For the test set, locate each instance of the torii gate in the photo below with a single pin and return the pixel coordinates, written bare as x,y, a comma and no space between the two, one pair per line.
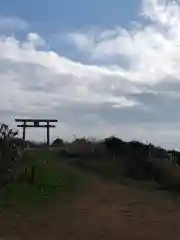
35,123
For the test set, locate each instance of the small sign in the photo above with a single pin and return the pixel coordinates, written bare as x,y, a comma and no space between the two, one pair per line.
36,124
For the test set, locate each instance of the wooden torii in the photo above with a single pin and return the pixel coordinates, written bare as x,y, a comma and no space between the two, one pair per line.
35,123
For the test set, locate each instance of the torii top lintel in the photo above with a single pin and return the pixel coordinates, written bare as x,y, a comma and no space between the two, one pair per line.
35,120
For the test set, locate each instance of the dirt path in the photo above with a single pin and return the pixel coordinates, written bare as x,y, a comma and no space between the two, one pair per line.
103,211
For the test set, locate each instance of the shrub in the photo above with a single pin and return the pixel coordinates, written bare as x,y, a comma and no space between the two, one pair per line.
58,142
10,154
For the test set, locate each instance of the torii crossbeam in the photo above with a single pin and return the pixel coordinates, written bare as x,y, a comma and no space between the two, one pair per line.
35,123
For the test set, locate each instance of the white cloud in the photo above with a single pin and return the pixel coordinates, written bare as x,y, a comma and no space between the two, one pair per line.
35,40
82,41
166,13
13,23
37,83
151,50
55,79
140,101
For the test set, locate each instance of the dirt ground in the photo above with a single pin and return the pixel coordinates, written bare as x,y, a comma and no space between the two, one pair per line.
104,210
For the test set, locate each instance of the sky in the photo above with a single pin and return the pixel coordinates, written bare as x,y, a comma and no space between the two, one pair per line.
101,67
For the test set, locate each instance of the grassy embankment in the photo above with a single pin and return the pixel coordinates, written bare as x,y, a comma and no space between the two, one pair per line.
52,177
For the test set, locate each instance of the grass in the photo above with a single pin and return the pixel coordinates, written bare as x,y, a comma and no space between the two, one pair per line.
111,170
105,168
55,177
52,177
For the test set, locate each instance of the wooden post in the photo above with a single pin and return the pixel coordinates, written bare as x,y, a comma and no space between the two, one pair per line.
48,141
24,130
33,175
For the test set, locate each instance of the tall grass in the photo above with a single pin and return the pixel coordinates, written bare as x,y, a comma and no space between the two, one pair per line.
106,168
52,177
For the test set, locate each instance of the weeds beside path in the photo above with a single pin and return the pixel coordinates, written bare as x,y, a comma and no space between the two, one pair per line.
52,177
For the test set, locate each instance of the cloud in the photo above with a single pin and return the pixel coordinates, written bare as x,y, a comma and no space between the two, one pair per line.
81,40
35,40
139,100
13,23
42,83
151,49
162,12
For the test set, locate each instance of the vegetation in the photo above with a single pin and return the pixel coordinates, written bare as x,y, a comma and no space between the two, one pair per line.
33,177
114,158
50,177
10,155
58,142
